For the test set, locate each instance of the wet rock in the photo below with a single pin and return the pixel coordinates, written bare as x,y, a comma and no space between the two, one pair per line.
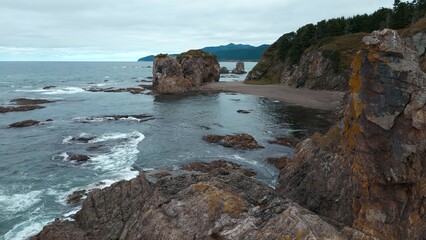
49,120
239,68
237,141
76,197
26,123
183,73
202,206
49,87
78,157
287,141
279,163
83,139
370,174
220,165
224,70
243,111
27,101
20,108
132,90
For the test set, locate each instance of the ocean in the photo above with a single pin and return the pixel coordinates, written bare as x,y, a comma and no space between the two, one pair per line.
36,178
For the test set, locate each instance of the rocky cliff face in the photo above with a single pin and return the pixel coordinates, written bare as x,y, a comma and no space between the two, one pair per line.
184,72
369,172
218,202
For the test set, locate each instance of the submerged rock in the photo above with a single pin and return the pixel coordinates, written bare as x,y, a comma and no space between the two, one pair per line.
182,73
132,90
239,68
27,101
76,197
20,108
243,111
237,141
26,123
201,206
78,157
369,171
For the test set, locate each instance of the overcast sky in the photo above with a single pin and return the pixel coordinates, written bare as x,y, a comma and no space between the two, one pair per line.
124,30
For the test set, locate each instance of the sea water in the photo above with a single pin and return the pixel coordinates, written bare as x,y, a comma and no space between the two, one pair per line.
36,177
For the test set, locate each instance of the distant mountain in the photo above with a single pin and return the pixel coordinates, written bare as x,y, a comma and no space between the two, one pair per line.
230,52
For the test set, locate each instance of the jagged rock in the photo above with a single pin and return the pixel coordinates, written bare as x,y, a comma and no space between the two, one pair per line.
239,68
371,173
78,157
182,73
287,141
224,70
218,164
279,163
237,141
27,101
26,123
20,108
76,197
192,206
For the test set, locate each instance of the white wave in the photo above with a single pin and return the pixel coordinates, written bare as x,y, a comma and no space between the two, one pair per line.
64,90
115,136
67,140
26,229
29,91
19,202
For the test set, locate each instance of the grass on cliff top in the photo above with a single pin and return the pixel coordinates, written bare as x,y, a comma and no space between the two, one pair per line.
162,55
195,53
419,26
343,43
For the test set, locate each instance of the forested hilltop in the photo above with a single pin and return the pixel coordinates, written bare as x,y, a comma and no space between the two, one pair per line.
318,56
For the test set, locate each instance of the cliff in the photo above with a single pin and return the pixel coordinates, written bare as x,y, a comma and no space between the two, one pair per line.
368,171
186,71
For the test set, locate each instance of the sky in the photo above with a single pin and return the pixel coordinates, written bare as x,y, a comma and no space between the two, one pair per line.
125,30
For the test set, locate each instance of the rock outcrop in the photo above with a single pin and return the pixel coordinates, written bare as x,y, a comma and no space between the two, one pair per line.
237,141
26,123
369,171
239,68
19,108
220,202
224,70
182,73
28,101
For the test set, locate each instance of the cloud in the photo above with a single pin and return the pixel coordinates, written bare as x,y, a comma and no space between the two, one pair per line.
128,29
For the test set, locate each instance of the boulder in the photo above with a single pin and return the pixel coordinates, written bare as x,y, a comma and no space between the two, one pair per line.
209,205
185,72
368,172
224,70
78,157
26,123
236,141
239,68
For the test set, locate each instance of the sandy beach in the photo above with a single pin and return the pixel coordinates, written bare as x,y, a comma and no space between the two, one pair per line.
326,100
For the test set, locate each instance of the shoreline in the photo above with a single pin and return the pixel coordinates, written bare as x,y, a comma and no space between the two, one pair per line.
318,99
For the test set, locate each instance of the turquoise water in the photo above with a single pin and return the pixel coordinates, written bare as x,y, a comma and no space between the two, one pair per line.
35,178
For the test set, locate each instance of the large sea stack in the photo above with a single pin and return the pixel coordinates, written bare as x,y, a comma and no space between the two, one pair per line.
369,171
187,71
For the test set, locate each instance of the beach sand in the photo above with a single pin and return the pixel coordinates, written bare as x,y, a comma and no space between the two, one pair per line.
318,99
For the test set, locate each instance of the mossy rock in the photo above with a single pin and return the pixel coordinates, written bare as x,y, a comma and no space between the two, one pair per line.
195,54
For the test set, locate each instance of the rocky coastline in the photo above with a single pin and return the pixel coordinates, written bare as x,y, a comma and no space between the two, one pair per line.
363,179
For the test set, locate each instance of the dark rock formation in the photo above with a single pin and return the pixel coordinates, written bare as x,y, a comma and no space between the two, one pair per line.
78,157
49,87
26,123
83,139
27,101
279,163
237,141
76,197
224,70
239,68
20,108
221,203
369,171
187,71
287,141
132,90
243,111
218,164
